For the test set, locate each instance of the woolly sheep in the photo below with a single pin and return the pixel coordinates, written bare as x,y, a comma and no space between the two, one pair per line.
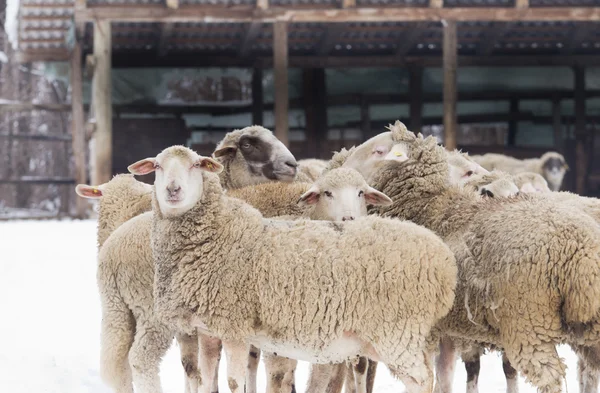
508,251
312,168
206,237
117,344
493,184
551,165
531,182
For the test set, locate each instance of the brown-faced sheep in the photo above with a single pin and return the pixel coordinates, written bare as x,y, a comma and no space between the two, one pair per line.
202,241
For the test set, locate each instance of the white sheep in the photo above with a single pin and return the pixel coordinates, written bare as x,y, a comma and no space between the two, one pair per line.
238,153
551,165
222,267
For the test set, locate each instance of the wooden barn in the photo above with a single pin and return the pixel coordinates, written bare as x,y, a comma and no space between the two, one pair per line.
514,76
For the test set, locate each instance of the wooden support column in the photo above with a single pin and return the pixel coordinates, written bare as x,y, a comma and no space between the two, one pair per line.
557,125
450,91
513,123
314,96
580,132
415,87
101,92
280,60
78,122
257,97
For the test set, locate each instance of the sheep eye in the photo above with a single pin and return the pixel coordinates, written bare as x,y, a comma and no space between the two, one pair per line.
156,165
246,145
197,165
469,173
328,194
360,193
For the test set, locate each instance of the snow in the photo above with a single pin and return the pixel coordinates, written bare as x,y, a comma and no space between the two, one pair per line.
50,310
11,22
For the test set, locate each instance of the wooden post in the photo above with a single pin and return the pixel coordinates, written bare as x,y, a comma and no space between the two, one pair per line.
415,87
257,97
513,122
580,131
450,93
78,123
101,91
557,125
280,60
314,97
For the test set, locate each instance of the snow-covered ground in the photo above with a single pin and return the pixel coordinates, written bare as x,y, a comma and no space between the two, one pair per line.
50,319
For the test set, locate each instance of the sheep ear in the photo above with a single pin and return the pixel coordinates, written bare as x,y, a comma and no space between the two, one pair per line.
225,151
85,191
396,154
310,197
376,198
142,167
210,165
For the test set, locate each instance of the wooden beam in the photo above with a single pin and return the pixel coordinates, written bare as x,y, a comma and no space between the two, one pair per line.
141,60
19,106
280,56
513,123
166,30
159,13
102,102
580,132
436,3
78,124
173,4
42,56
522,4
415,91
253,31
557,125
257,97
450,91
348,3
262,4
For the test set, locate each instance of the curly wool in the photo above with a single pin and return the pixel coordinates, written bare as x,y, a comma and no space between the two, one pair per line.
311,168
528,269
123,197
302,282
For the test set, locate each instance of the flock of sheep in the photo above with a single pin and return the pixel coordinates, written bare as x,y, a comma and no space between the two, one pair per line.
250,250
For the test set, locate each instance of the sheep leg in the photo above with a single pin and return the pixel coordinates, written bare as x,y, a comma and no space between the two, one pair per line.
253,358
117,334
236,353
151,342
371,372
512,385
208,363
349,381
280,373
326,378
188,348
445,362
472,360
539,364
360,375
588,377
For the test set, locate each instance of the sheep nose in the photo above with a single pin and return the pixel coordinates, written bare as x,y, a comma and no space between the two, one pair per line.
291,164
348,218
173,189
486,192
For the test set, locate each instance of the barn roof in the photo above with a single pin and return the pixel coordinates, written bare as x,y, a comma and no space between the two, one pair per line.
239,32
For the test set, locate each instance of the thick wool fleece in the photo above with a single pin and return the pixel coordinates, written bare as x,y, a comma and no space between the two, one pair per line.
529,270
304,283
339,158
123,197
312,168
274,199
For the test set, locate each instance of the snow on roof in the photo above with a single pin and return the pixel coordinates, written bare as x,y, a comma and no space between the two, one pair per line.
11,23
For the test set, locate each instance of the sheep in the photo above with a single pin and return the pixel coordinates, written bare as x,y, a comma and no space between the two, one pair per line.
122,198
253,155
312,168
222,267
493,184
118,344
551,165
528,268
531,182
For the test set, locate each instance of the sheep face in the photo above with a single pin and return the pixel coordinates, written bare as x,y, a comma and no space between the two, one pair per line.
554,168
178,184
342,195
461,169
255,155
367,157
529,182
501,188
122,182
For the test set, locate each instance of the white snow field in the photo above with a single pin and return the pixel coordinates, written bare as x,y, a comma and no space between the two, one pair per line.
50,319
